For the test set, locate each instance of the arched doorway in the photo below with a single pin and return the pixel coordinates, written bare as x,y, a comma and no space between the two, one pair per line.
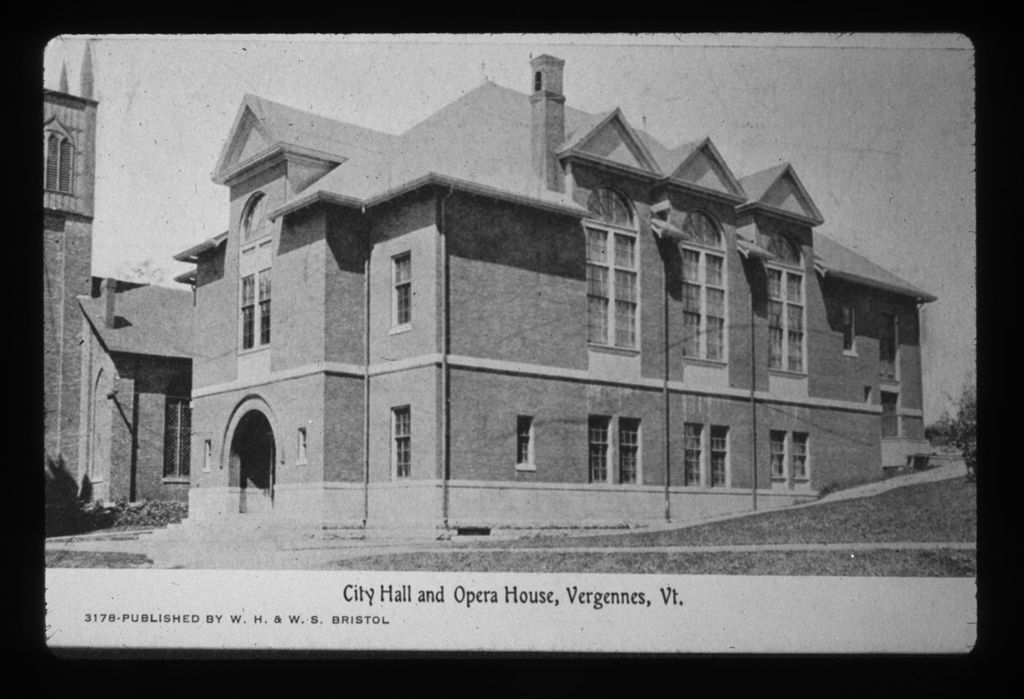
253,453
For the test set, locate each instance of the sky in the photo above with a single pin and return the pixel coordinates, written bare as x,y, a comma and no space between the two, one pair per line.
880,129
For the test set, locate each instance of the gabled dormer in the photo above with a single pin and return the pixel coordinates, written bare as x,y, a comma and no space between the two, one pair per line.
700,167
265,134
609,139
778,191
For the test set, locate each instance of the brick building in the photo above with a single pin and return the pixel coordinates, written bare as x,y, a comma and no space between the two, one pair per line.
519,313
136,391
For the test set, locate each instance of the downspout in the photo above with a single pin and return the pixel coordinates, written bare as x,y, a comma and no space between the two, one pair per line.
445,383
135,432
366,373
753,397
664,390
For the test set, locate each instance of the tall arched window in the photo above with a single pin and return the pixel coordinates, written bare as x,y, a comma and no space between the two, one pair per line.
612,271
254,271
254,220
59,161
785,305
704,284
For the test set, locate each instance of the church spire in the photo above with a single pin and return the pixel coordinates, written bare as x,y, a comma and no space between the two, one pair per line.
86,85
63,77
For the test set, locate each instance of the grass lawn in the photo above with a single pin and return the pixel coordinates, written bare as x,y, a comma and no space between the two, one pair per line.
96,559
937,563
942,511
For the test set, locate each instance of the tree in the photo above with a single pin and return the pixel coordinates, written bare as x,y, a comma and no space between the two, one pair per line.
964,429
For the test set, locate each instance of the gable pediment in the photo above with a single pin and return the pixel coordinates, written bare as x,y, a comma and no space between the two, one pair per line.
706,169
787,194
248,139
615,141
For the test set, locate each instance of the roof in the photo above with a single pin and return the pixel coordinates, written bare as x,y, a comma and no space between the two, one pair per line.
151,320
483,137
757,184
841,262
193,253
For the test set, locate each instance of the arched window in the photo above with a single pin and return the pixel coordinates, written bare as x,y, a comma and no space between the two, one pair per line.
609,206
785,305
59,161
254,271
254,220
612,271
704,285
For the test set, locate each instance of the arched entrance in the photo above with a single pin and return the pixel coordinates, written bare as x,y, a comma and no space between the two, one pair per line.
253,453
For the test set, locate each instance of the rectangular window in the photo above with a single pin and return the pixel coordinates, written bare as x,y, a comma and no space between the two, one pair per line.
848,329
248,311
890,420
264,277
629,449
401,429
402,280
524,440
207,455
611,276
785,320
692,437
703,305
177,436
800,455
719,455
300,446
598,454
887,343
778,453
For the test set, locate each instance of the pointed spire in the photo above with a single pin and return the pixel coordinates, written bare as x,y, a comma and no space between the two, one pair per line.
63,77
86,86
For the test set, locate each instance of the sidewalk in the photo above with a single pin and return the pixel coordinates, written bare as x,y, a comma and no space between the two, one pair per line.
312,554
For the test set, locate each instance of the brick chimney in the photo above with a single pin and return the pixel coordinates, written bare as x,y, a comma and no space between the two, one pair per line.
547,120
110,296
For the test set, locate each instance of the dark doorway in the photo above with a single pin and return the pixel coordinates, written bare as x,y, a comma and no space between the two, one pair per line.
252,447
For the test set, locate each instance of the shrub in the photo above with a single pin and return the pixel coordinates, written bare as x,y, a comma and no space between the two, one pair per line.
149,513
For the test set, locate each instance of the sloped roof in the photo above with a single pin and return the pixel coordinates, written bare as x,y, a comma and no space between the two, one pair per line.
847,264
482,137
309,130
757,184
151,320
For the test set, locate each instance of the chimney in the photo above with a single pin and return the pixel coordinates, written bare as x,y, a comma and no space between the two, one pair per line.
547,120
109,295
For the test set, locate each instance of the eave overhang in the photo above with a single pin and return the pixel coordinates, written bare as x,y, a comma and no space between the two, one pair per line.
271,156
723,197
192,254
430,179
761,208
920,296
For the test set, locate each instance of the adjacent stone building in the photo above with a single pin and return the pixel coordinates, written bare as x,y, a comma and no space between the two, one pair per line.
519,313
69,166
116,355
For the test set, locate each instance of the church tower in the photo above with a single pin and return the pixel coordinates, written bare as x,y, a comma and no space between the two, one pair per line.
69,167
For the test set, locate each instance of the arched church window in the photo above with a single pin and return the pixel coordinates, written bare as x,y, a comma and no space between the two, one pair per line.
59,162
